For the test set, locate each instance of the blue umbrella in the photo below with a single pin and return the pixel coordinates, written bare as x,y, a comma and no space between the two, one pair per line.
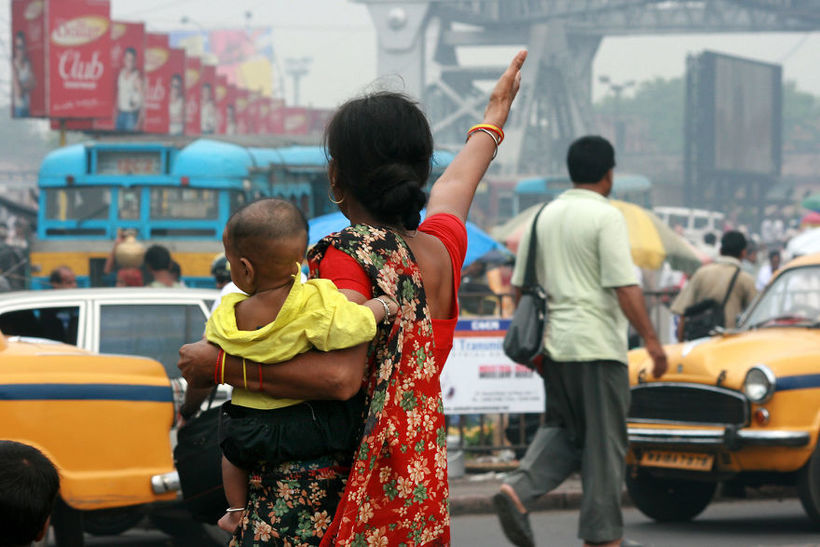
478,242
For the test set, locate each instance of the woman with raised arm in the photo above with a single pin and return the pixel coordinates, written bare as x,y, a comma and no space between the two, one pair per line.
393,489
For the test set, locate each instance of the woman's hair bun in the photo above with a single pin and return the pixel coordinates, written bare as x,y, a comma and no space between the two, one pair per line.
395,192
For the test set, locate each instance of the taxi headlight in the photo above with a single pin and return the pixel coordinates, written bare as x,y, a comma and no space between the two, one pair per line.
759,384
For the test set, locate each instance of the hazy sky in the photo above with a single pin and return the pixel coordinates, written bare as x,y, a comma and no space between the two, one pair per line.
339,36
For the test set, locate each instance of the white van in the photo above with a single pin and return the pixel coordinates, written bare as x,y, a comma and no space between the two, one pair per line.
695,222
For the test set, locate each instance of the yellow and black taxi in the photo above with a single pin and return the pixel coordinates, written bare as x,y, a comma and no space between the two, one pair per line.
104,420
740,407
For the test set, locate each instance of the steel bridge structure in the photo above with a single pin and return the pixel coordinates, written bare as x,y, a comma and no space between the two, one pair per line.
420,40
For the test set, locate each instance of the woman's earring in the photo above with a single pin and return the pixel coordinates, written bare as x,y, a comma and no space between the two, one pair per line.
330,197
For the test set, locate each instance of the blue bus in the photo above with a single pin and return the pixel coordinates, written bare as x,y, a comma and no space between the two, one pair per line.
177,196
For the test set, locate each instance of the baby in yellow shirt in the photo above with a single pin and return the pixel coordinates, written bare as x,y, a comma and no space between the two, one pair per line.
282,317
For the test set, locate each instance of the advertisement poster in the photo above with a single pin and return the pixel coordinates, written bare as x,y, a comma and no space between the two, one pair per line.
276,118
242,111
193,94
157,83
127,71
244,56
224,101
28,59
176,96
207,107
252,113
296,120
479,379
80,84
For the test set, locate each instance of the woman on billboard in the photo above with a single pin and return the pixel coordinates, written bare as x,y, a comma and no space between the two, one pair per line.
130,99
176,106
22,77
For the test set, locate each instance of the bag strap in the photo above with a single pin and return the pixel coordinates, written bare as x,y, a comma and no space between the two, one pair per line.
211,397
529,271
729,290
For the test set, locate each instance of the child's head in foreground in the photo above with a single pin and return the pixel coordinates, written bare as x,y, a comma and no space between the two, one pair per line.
264,243
28,489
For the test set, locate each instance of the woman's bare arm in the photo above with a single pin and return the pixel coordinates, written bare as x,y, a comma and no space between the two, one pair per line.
453,192
333,375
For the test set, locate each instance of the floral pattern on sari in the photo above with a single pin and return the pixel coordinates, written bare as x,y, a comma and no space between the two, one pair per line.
397,490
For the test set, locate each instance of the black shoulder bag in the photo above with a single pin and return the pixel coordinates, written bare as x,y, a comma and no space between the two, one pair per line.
700,319
524,341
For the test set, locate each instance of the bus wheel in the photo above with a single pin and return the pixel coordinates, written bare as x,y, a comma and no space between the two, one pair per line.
68,525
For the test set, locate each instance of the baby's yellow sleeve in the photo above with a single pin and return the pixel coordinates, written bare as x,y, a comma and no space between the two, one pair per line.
338,322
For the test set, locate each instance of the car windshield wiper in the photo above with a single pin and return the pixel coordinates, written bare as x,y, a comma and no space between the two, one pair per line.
792,319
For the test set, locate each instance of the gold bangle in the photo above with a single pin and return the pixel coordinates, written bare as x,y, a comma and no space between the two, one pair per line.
494,128
244,373
224,356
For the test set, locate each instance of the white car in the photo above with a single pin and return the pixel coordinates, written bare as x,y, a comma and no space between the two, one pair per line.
132,321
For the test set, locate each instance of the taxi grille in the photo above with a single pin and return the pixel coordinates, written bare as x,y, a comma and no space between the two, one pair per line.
688,403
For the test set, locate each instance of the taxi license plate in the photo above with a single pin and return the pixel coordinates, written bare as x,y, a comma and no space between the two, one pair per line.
691,461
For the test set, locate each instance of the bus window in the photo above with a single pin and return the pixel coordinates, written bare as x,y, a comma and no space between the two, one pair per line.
183,204
81,203
129,204
238,200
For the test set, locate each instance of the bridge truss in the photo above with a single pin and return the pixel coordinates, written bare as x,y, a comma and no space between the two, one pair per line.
420,39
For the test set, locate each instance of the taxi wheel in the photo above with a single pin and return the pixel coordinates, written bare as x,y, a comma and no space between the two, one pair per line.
112,522
808,487
668,500
68,525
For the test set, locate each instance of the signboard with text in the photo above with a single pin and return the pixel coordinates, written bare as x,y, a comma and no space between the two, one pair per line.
79,73
479,379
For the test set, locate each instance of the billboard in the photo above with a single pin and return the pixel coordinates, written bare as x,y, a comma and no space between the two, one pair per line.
28,59
176,96
207,106
222,98
79,75
157,83
739,113
244,56
242,96
127,71
193,94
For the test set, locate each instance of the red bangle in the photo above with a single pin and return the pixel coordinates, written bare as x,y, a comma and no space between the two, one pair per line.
218,362
260,375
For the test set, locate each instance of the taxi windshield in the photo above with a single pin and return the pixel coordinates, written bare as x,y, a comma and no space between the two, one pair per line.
792,299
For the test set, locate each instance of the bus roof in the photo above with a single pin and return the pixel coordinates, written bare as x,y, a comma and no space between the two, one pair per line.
553,184
202,159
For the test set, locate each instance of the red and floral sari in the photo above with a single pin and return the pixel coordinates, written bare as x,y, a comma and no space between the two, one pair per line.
396,491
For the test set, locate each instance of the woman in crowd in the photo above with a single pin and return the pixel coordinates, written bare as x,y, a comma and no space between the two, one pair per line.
393,490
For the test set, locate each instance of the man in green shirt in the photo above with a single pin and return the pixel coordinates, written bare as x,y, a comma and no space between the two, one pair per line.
583,262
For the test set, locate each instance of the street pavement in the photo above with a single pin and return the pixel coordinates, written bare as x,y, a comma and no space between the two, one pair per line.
472,494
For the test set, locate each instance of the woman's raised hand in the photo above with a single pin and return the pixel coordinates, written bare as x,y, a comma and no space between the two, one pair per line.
506,88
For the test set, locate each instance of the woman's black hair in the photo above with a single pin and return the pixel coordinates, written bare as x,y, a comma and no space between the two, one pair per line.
381,147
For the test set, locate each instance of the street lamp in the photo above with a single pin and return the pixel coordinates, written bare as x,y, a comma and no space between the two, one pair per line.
617,90
296,67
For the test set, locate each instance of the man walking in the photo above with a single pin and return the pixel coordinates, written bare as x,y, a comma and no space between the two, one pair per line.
584,264
714,282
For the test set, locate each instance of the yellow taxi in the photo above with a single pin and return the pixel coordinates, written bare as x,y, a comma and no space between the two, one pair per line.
104,420
741,407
